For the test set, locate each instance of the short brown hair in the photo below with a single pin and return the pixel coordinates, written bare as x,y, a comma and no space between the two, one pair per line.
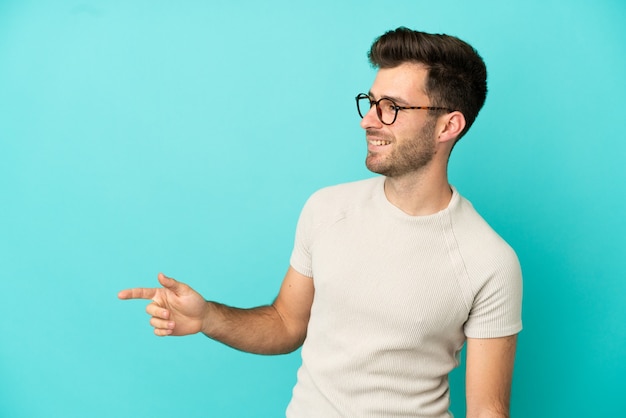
457,75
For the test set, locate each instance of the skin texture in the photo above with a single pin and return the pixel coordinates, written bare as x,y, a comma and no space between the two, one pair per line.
177,310
489,374
413,154
417,145
407,147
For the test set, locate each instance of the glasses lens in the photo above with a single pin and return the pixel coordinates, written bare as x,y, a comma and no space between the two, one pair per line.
387,111
363,104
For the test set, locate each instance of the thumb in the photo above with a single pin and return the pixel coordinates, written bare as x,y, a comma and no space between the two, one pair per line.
169,283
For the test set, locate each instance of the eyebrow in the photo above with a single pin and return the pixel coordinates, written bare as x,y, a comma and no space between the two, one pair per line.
396,100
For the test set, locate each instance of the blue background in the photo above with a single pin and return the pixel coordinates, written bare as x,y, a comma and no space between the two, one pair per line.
184,137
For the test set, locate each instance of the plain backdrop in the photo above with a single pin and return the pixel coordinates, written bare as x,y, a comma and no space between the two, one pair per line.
184,137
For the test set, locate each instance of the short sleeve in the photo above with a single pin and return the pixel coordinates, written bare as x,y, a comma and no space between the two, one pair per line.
497,306
301,259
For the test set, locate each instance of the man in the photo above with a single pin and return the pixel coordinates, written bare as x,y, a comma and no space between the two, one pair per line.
389,276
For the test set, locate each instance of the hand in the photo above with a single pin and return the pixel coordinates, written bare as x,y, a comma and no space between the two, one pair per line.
176,308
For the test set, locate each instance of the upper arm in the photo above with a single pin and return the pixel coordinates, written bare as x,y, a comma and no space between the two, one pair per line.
294,301
489,374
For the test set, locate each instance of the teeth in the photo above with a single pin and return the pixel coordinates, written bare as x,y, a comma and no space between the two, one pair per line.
379,142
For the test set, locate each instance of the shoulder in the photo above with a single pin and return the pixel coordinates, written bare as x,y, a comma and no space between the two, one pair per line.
346,195
334,203
470,226
493,272
482,248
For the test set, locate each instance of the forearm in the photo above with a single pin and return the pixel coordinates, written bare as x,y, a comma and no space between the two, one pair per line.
259,330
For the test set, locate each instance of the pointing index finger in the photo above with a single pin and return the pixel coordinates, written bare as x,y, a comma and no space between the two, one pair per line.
137,293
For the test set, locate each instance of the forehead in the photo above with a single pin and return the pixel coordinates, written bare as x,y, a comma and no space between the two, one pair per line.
406,82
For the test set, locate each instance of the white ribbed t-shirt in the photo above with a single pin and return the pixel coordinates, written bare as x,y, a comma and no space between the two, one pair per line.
395,298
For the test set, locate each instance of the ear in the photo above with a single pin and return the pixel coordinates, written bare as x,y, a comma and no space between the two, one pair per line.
450,127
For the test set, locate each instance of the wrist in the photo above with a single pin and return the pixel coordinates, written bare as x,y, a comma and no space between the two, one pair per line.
208,319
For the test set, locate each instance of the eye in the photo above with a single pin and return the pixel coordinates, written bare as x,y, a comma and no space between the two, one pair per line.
388,106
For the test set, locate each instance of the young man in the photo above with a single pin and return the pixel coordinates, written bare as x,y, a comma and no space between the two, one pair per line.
389,276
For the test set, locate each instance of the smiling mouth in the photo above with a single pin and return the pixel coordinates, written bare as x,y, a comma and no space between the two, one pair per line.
378,142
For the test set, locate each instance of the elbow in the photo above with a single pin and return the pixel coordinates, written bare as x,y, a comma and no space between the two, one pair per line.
499,411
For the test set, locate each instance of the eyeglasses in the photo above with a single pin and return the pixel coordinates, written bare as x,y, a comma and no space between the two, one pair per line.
386,109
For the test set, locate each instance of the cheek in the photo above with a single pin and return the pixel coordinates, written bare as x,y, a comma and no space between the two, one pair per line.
409,127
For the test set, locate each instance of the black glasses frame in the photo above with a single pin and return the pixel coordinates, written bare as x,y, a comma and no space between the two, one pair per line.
362,96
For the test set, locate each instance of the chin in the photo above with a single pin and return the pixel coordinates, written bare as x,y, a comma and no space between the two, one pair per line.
374,164
378,169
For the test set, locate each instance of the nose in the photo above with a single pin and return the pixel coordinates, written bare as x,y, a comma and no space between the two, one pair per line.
370,119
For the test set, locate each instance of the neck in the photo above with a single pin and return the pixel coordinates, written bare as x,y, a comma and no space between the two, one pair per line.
420,193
